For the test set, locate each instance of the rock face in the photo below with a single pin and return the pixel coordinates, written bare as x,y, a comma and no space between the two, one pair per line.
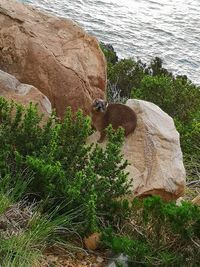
12,89
154,153
53,54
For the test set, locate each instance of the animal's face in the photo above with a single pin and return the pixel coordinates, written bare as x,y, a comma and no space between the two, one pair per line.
99,105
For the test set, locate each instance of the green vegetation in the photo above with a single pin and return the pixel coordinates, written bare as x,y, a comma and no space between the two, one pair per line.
60,165
54,185
24,231
176,95
50,163
160,234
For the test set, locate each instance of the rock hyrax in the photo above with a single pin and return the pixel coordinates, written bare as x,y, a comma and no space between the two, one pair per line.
117,115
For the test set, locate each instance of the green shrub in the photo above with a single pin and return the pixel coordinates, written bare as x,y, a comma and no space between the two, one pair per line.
161,234
190,142
61,166
179,98
155,68
126,74
110,54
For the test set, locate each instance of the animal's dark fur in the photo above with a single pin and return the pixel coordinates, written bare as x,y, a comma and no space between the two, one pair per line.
117,115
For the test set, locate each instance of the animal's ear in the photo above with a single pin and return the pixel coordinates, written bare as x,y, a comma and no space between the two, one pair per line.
95,102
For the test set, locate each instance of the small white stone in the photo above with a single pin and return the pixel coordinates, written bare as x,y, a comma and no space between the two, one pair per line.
99,259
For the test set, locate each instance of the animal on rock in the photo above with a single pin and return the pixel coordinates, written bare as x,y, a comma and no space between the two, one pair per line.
118,115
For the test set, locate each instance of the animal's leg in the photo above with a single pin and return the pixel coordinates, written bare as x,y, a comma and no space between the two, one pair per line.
102,137
129,128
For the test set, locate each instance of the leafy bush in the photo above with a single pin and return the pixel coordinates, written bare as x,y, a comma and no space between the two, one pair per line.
126,74
175,95
62,168
190,142
181,100
52,162
155,68
160,234
109,52
178,97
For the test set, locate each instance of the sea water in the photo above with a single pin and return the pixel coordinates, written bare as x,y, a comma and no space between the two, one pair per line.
169,29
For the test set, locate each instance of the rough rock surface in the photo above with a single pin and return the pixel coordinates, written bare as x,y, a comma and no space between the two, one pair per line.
12,89
53,54
154,153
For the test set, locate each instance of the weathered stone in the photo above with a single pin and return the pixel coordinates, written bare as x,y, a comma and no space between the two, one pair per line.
53,54
154,153
12,89
118,260
92,242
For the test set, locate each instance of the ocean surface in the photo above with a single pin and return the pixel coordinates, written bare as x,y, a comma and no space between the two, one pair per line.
169,29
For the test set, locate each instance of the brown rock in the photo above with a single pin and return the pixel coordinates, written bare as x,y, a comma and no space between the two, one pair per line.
92,242
53,54
12,89
154,153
